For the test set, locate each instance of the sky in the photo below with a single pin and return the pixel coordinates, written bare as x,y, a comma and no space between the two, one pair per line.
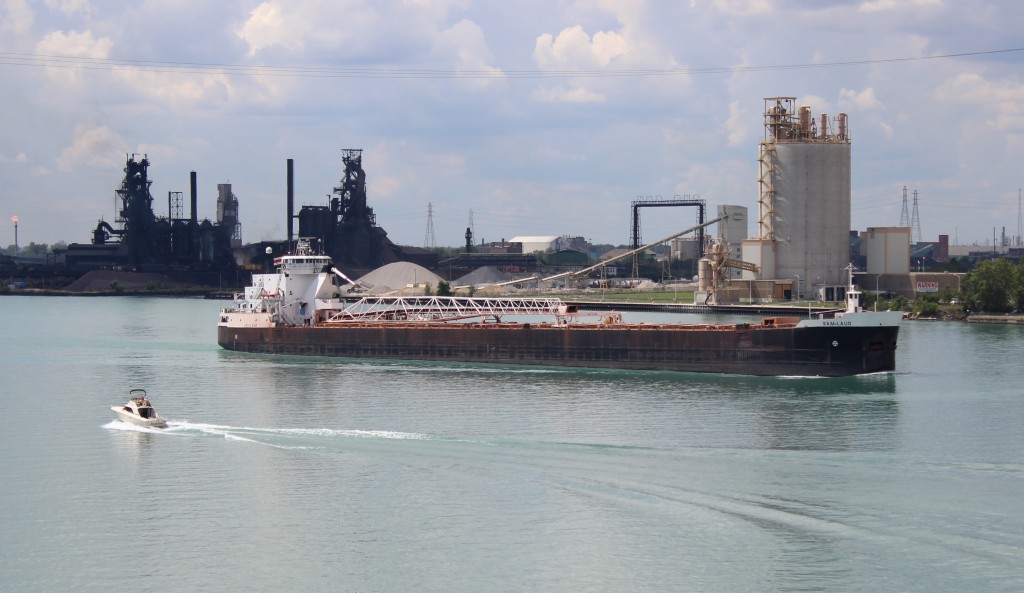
526,117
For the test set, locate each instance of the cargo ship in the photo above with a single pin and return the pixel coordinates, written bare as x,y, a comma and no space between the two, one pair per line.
306,308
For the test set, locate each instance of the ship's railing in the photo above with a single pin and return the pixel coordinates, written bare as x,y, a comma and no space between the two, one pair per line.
438,308
260,297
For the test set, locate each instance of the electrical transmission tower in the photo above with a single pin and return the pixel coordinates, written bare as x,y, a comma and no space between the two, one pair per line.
915,223
905,213
429,242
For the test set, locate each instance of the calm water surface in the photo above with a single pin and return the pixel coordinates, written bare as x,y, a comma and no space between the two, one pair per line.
301,474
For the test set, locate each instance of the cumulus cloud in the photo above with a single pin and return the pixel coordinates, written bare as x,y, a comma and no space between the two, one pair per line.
737,125
379,33
79,44
17,17
76,44
864,100
71,7
468,44
21,158
211,91
817,104
997,102
969,87
636,43
552,154
562,94
356,27
270,24
93,146
1010,122
891,5
573,49
744,7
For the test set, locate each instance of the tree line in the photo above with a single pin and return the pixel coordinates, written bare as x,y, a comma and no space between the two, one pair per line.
995,286
34,249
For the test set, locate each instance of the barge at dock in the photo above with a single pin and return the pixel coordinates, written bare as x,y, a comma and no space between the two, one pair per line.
301,310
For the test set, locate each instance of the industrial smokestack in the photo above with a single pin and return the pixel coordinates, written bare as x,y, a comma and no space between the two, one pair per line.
192,184
291,198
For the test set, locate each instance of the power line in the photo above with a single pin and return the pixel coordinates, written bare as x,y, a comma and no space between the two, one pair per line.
85,63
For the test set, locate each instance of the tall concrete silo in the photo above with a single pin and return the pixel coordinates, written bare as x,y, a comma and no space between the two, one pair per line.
804,201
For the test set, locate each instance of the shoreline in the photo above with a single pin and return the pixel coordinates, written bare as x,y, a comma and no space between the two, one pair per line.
222,294
1006,319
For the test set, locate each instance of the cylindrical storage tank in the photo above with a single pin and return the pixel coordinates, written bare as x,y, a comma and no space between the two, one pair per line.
180,239
823,130
160,235
206,241
705,278
314,222
842,127
805,121
812,212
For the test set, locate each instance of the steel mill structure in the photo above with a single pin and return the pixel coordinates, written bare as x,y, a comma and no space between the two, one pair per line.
346,228
141,241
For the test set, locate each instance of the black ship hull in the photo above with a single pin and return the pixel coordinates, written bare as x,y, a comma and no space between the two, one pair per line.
740,349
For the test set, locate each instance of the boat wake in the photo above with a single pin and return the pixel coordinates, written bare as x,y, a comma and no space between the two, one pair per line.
283,438
129,427
354,440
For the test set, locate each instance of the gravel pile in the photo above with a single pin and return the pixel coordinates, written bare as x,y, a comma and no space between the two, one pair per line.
399,275
482,276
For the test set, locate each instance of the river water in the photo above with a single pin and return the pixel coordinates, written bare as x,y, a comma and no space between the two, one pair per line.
304,474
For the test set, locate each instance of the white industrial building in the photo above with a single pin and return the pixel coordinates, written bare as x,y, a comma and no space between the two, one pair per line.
804,201
887,250
540,243
732,232
683,248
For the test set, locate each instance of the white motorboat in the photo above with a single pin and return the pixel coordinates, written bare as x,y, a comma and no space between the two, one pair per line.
139,411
